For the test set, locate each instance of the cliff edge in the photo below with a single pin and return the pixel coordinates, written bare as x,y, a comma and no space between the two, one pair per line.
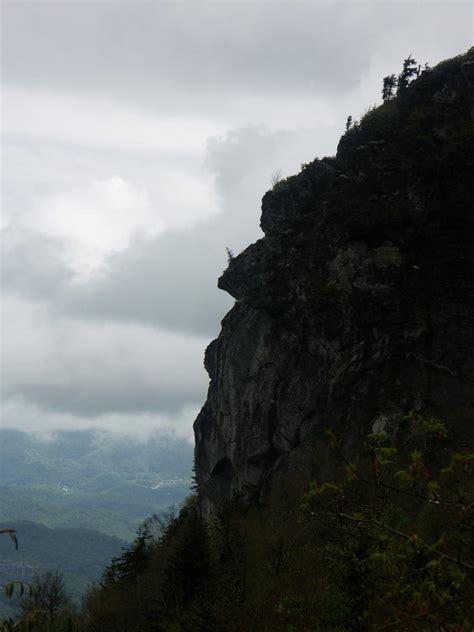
357,305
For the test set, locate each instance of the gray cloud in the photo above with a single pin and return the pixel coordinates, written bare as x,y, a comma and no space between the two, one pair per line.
23,415
153,52
145,47
92,368
32,265
139,140
169,280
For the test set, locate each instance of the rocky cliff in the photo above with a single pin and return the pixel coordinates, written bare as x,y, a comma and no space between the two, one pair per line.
357,305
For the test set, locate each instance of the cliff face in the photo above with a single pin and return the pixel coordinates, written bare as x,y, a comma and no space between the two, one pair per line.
357,305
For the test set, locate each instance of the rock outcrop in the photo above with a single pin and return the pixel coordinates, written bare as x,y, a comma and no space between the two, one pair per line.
357,305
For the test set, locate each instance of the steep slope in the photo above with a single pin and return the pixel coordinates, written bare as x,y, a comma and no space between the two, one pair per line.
357,305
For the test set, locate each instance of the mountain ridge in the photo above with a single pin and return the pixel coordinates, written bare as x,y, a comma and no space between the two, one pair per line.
92,480
356,304
334,455
79,553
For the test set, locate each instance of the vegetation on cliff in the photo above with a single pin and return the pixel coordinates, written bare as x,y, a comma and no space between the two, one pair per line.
386,544
357,304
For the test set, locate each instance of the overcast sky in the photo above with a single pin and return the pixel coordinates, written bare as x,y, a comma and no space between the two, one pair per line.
138,139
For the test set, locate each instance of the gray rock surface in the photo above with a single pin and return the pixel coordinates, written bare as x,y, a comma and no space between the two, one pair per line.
356,306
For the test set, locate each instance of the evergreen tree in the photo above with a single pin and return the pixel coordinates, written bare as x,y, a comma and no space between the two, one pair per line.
110,575
188,585
132,563
389,85
409,71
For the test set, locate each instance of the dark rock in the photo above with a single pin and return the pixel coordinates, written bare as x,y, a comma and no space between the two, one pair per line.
468,72
357,305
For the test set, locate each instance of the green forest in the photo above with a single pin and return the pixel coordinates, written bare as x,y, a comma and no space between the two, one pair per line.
385,544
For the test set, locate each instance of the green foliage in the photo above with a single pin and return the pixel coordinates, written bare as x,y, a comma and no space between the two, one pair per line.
163,576
389,85
410,144
409,71
80,553
408,529
44,604
385,543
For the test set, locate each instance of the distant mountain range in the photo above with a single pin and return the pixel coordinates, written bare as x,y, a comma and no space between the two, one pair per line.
91,480
81,554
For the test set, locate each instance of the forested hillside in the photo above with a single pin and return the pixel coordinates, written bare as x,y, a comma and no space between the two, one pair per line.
91,480
80,554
